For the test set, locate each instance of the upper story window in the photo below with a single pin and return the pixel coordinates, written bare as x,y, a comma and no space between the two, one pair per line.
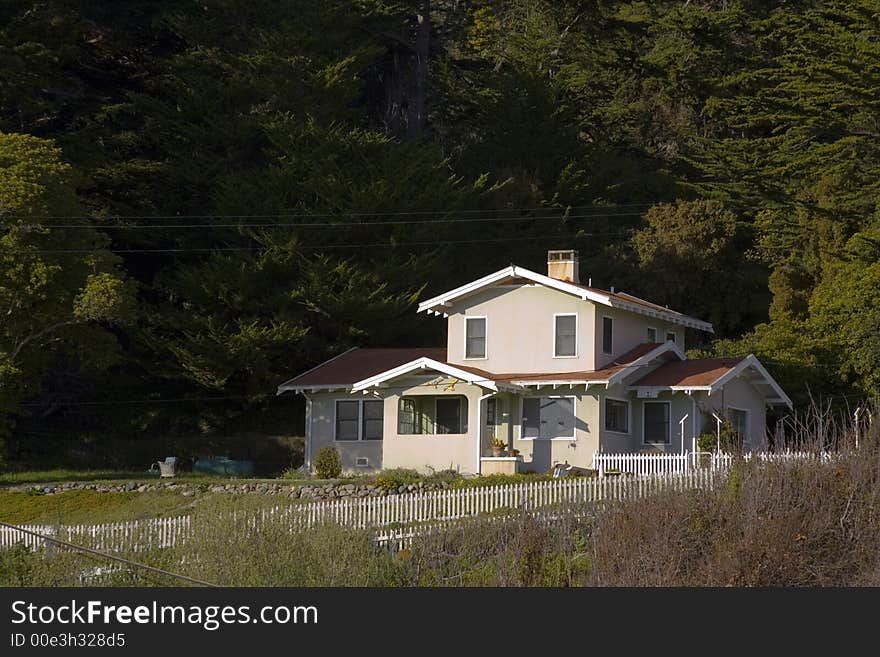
607,339
670,336
652,334
564,336
475,337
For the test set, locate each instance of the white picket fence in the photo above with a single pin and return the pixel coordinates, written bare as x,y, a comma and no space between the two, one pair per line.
642,464
388,514
663,464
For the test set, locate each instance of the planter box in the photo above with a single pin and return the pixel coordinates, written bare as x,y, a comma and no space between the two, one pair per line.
500,464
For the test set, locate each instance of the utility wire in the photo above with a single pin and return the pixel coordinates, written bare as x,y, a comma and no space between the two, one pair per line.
105,555
341,213
317,247
320,224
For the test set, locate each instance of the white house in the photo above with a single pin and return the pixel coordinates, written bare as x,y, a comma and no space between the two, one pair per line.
553,369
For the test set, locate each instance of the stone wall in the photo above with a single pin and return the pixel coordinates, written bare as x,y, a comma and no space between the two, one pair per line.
298,491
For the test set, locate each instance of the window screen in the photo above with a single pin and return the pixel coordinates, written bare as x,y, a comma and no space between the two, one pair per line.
656,422
616,415
475,337
449,415
373,419
607,340
347,420
565,339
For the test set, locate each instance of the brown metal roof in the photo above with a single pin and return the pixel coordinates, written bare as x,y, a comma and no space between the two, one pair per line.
590,375
358,364
700,372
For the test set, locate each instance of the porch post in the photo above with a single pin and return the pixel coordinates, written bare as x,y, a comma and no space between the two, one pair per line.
307,448
479,432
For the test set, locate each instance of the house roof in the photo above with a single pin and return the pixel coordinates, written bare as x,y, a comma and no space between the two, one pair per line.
635,356
360,369
356,364
701,372
440,304
712,374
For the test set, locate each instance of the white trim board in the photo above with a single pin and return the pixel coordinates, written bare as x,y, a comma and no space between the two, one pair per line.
425,363
470,318
576,336
440,304
644,423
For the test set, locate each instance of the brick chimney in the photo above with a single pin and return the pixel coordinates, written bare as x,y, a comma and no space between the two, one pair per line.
563,266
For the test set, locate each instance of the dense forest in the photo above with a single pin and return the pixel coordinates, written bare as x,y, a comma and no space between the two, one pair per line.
199,200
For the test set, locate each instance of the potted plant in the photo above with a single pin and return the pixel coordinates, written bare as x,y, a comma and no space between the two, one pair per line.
497,446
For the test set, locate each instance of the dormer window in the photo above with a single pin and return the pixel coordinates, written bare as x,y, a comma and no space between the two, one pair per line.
475,338
565,336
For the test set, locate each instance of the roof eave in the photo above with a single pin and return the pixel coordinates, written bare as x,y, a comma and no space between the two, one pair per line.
439,304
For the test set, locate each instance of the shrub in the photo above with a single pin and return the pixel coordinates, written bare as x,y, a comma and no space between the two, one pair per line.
396,477
295,474
328,465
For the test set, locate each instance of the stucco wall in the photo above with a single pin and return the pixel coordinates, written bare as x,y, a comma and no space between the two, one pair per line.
520,329
742,395
427,453
629,331
322,433
539,455
736,394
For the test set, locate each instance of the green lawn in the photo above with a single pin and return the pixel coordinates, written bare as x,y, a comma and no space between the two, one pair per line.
88,506
113,477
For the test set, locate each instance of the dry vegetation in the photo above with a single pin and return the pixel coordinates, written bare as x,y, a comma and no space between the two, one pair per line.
799,523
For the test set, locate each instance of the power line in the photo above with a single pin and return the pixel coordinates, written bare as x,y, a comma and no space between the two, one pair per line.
341,213
105,555
175,400
317,247
324,224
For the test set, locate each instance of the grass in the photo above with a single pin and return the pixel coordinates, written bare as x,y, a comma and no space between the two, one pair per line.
111,477
88,506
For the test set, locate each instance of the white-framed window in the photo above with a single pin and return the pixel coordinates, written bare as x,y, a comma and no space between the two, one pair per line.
432,415
652,334
656,422
670,336
617,415
358,419
607,335
475,338
548,418
565,335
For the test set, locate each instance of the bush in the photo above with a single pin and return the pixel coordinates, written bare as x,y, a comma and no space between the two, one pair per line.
328,465
396,477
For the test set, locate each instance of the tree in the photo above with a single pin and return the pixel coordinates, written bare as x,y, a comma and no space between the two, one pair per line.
57,286
691,257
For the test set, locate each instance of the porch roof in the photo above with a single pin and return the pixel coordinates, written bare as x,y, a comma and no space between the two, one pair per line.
349,367
700,372
711,374
358,369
